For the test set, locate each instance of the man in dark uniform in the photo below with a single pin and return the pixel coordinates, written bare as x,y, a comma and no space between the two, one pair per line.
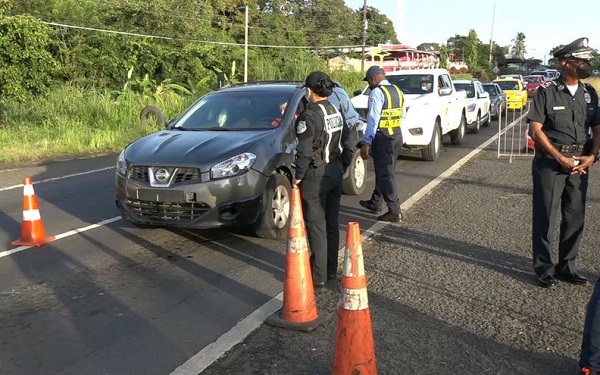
324,152
560,119
382,140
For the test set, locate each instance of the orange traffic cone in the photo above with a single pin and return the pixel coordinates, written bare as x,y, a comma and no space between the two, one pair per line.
354,346
33,232
299,304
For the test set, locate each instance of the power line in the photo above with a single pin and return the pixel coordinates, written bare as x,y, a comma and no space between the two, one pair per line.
193,40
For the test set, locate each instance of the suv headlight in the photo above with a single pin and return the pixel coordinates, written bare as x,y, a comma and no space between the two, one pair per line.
233,166
121,164
471,107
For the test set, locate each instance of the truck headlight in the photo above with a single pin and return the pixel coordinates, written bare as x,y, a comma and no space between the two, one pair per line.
234,166
121,164
471,107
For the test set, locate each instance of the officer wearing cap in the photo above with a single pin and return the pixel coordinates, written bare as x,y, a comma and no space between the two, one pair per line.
324,152
382,140
561,117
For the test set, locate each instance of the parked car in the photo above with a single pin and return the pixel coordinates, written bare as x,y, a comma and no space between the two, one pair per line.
517,76
226,161
433,108
497,99
516,94
478,104
550,75
532,83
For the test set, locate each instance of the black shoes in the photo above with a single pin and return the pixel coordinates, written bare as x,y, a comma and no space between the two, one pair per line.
390,217
369,205
319,284
547,281
573,278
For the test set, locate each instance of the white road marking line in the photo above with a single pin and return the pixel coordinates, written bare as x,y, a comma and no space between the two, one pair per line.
64,235
58,178
205,357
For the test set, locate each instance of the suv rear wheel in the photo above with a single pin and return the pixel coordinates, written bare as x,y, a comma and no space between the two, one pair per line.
274,219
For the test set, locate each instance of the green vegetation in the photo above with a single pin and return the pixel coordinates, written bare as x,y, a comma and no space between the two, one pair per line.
79,88
76,121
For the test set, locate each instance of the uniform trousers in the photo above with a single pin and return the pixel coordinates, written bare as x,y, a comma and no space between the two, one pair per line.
321,191
385,149
554,191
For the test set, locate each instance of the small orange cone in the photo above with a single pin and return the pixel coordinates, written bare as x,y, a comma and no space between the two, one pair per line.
354,344
33,232
299,304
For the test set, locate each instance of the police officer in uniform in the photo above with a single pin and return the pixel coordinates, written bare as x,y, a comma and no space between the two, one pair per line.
324,152
382,140
563,115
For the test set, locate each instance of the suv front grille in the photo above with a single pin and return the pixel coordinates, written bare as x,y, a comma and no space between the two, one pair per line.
166,211
182,175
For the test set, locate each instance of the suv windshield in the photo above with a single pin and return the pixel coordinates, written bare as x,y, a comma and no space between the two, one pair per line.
490,89
468,87
236,110
413,83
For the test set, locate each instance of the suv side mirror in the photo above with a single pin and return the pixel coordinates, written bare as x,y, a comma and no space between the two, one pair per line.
445,91
484,95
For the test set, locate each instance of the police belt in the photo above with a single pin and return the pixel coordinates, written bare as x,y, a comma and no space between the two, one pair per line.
572,149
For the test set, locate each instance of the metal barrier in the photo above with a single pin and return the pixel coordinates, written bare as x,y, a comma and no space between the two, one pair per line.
513,139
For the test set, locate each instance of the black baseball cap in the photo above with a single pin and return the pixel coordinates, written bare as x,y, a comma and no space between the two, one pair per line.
373,71
313,79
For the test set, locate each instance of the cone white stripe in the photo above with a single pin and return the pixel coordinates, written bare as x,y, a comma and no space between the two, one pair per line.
355,299
347,271
28,190
297,245
31,215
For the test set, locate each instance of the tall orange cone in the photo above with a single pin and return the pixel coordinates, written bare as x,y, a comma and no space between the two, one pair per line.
354,346
299,304
32,232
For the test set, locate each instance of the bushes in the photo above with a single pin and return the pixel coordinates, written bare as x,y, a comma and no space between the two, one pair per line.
26,66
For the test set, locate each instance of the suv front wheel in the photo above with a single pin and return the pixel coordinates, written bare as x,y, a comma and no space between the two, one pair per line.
274,218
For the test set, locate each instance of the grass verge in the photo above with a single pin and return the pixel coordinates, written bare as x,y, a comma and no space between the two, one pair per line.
73,121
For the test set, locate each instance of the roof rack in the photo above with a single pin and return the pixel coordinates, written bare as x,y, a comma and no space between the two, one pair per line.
266,82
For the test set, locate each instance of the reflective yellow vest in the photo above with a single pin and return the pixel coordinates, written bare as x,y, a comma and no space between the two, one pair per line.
393,107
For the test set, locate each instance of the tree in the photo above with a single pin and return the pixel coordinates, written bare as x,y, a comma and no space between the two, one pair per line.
380,28
429,47
26,67
518,49
444,57
458,46
473,44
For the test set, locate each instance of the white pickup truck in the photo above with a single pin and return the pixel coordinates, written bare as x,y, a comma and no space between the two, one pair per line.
433,108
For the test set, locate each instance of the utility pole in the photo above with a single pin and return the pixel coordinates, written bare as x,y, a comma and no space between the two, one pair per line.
364,41
492,36
246,48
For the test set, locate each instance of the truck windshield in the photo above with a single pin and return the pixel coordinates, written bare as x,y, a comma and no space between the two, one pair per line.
413,83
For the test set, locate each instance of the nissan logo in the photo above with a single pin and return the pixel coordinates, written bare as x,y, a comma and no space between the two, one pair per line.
162,175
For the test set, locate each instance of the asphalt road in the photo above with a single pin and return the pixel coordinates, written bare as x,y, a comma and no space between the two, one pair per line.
116,299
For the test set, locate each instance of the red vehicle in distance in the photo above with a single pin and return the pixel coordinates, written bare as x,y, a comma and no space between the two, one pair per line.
532,83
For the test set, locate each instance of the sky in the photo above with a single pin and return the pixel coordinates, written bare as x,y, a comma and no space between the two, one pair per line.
420,21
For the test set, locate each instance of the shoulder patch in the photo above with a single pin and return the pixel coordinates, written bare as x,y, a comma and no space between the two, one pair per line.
301,127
